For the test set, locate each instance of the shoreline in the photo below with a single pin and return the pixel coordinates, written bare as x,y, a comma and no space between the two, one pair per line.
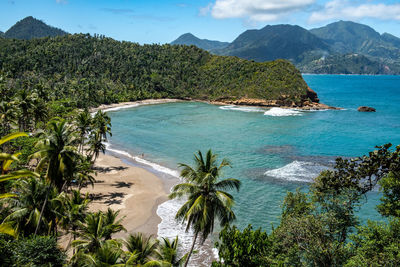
147,219
133,190
241,102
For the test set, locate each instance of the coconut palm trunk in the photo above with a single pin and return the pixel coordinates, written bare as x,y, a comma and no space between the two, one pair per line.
191,249
41,212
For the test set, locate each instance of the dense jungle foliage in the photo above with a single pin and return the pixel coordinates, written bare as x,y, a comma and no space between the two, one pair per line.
88,71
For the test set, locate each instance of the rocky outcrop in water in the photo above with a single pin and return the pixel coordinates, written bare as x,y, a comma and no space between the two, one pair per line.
366,109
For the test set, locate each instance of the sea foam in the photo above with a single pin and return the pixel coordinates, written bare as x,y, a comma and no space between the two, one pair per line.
281,112
298,171
153,165
168,226
244,109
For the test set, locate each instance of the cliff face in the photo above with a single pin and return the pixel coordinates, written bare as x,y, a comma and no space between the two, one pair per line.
309,101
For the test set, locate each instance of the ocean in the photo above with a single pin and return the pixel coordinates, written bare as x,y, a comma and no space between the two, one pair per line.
272,151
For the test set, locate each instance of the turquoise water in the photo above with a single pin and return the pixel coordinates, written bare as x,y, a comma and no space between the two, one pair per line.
270,153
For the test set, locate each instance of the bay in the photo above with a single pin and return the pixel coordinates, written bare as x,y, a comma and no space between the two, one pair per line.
272,151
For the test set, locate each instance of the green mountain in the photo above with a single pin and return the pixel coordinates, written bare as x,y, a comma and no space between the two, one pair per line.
351,37
340,47
347,64
1,34
273,42
190,39
89,71
387,37
30,27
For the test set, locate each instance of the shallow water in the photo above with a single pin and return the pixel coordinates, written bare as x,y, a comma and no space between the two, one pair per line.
272,151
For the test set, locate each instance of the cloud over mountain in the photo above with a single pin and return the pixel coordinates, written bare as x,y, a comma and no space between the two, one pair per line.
257,10
343,9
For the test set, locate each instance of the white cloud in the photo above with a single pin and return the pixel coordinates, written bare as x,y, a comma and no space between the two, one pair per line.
342,9
62,2
255,10
205,10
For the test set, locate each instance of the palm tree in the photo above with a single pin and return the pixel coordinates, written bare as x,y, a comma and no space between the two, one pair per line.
167,253
8,116
142,249
205,199
97,228
57,149
102,124
91,233
24,102
83,172
111,223
83,124
5,175
109,254
26,210
39,109
71,209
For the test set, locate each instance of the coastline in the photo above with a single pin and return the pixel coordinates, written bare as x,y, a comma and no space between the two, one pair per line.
123,105
245,102
135,191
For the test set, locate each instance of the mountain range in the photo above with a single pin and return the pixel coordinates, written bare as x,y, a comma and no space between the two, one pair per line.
342,47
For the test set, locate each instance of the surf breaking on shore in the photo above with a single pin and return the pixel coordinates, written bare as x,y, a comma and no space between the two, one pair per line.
169,227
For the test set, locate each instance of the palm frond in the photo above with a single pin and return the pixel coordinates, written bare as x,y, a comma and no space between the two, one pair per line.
12,136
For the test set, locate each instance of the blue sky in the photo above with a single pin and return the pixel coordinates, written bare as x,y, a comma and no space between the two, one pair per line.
154,21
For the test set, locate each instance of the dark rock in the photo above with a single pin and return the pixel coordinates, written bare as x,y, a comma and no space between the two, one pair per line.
312,95
366,109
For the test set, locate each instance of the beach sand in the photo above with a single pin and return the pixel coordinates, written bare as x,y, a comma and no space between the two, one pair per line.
134,191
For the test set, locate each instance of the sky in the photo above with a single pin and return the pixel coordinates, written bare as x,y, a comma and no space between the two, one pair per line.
156,21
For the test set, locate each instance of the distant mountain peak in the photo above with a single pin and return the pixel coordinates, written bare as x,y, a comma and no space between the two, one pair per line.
190,39
31,27
274,41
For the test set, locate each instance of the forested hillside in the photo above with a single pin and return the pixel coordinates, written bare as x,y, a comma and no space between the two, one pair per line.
190,39
274,42
30,27
89,71
344,44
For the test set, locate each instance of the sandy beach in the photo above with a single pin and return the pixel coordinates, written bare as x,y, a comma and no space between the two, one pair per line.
122,105
134,191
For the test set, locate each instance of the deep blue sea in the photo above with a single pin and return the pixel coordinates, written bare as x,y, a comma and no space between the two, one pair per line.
271,151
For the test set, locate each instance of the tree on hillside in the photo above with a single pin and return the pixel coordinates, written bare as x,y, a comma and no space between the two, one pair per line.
6,175
57,153
206,200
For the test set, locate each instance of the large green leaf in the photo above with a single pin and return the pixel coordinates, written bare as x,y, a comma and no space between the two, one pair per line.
12,136
18,174
6,228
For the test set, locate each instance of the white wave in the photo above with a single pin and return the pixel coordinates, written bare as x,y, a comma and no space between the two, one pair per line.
170,228
244,109
299,171
121,107
280,112
153,165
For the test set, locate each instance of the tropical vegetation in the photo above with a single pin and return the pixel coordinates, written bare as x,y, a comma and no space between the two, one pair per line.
49,143
206,201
